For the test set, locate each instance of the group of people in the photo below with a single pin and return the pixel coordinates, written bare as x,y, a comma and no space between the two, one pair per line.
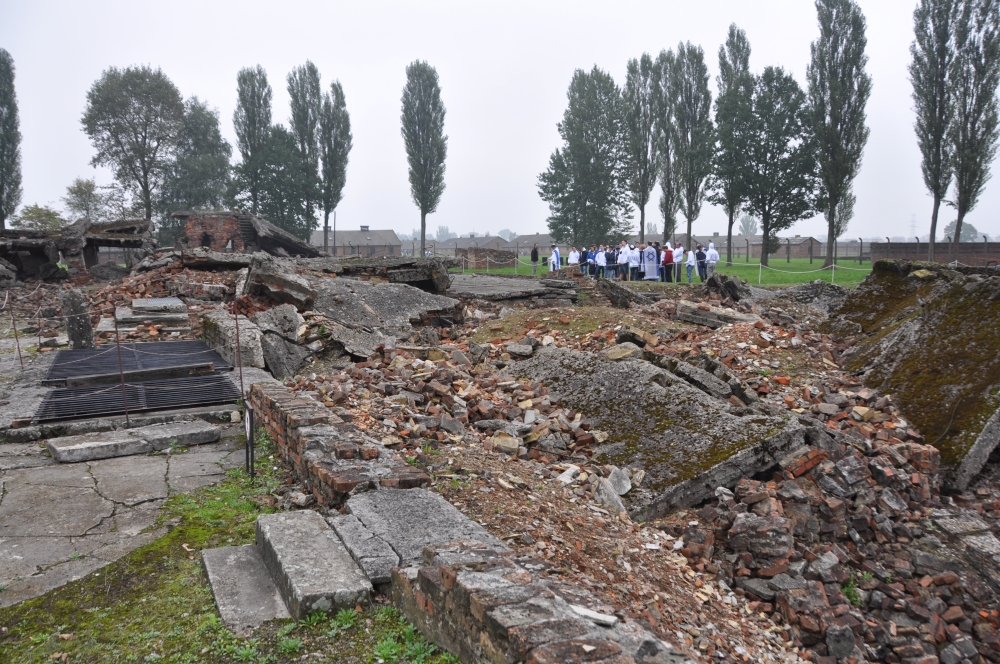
648,262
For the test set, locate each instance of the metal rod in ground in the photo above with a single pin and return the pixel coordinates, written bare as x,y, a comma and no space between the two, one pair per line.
17,342
239,357
121,374
248,424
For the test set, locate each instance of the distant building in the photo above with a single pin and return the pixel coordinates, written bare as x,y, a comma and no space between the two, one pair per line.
363,243
451,246
522,244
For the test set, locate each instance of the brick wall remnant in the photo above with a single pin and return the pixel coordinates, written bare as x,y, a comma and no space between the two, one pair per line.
218,232
490,606
331,457
481,258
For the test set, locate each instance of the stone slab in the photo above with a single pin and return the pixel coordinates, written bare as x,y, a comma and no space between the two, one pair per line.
178,434
410,519
100,445
962,525
127,316
243,589
142,440
159,304
371,552
310,565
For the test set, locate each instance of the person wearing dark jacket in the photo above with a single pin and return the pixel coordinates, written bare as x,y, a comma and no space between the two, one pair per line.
534,260
701,257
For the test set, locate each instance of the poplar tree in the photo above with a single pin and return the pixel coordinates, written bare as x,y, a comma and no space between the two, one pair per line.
642,155
975,74
932,54
692,133
252,122
670,191
133,117
306,100
732,118
423,135
839,89
335,143
10,142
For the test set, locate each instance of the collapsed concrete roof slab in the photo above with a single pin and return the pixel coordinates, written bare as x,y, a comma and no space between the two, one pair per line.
493,288
673,425
430,274
389,308
43,254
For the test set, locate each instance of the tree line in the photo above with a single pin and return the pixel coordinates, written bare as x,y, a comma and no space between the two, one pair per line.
168,154
955,70
766,146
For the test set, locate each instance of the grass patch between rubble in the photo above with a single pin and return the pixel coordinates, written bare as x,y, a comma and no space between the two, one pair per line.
155,604
582,321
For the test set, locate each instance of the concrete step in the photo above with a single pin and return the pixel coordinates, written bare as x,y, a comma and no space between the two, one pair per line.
309,564
242,587
108,325
124,442
159,305
126,316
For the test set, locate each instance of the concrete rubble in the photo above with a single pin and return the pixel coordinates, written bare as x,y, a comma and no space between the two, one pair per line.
697,467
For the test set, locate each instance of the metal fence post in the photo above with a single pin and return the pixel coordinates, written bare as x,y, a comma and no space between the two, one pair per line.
121,373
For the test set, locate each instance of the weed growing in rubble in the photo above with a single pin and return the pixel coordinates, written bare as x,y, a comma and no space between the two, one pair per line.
313,619
850,591
345,619
402,642
289,646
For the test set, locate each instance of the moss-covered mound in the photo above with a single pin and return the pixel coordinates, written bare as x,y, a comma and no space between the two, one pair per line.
931,336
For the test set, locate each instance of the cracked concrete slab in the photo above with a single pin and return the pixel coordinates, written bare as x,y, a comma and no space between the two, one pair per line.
46,511
58,575
60,522
24,455
131,481
24,556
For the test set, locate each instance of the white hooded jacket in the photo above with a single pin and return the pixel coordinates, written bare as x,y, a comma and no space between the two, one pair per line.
711,256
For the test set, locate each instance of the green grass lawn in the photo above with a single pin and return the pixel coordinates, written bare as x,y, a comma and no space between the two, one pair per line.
798,271
155,604
779,273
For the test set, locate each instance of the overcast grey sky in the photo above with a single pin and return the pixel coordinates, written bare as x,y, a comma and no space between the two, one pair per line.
504,69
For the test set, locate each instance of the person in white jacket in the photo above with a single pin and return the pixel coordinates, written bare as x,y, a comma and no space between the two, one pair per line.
602,263
678,259
623,261
633,263
711,258
692,263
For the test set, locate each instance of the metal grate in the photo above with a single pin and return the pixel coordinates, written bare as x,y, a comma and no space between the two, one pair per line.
99,400
136,355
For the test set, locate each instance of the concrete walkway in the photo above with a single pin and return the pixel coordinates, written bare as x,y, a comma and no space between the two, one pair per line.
59,522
